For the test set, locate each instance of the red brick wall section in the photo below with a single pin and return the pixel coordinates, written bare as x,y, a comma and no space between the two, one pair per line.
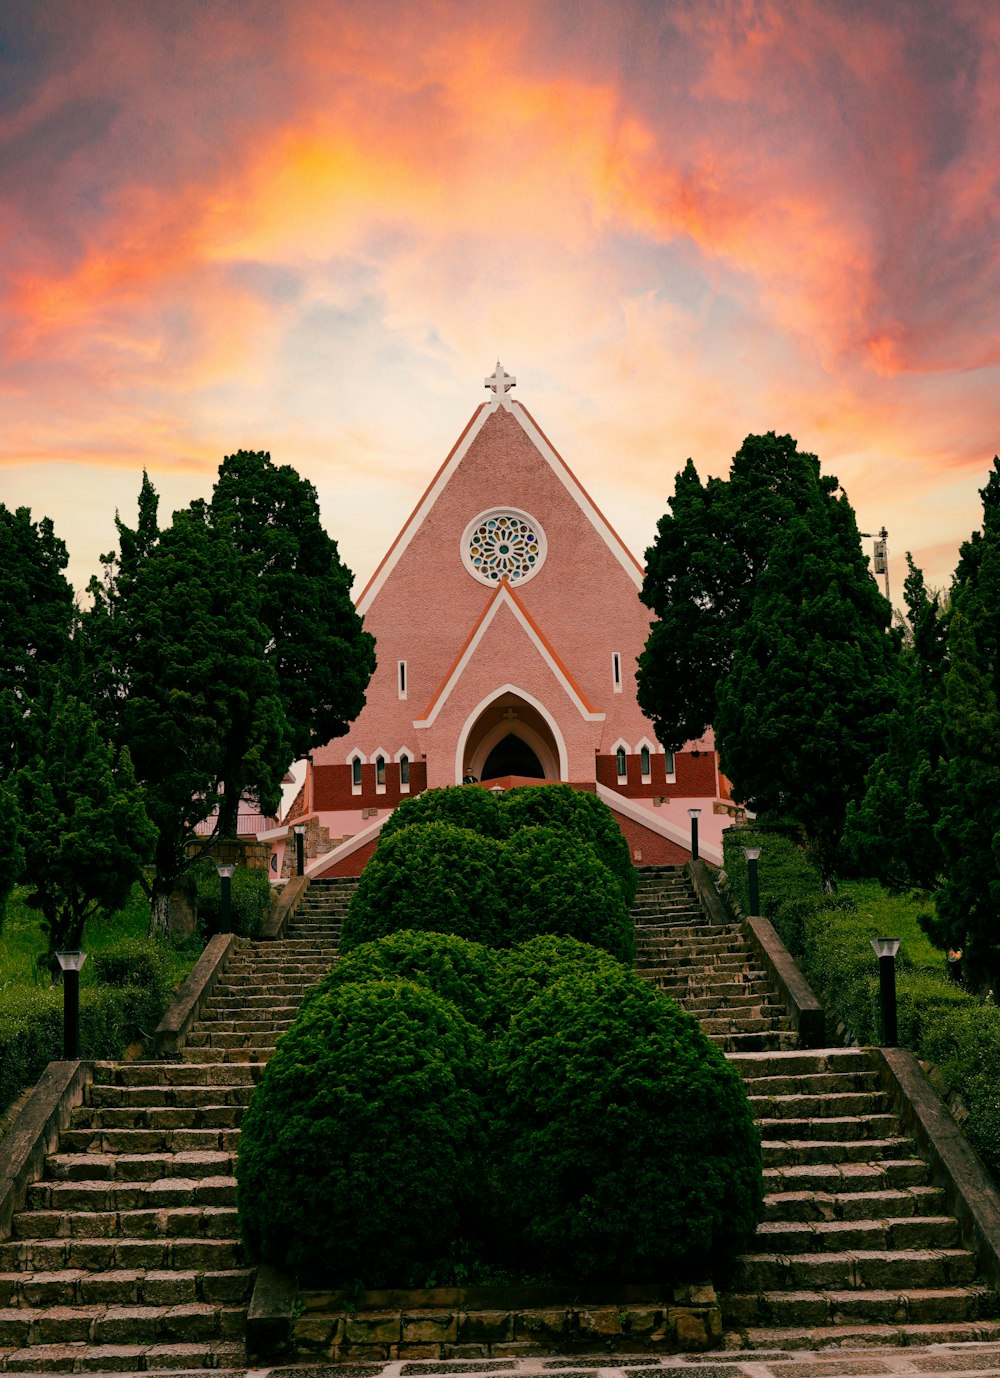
695,776
653,849
351,865
332,788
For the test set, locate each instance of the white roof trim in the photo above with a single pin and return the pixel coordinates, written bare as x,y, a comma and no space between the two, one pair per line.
682,836
441,481
504,600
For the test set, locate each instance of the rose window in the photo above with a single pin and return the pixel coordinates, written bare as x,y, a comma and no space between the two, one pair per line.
503,545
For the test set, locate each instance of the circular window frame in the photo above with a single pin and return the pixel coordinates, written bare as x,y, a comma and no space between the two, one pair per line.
491,514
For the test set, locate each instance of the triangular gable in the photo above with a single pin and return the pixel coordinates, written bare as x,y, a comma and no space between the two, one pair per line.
505,597
458,452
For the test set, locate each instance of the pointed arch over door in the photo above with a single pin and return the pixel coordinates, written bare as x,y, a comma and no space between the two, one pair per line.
511,713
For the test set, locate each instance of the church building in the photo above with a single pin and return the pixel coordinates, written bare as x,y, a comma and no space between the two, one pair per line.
507,622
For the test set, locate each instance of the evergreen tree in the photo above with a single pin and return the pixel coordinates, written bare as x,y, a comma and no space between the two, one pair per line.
702,573
968,901
321,656
891,831
813,679
36,621
85,829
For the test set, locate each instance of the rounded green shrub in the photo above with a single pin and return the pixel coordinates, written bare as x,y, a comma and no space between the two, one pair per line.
584,815
533,966
454,968
361,1152
625,1146
464,806
557,883
429,876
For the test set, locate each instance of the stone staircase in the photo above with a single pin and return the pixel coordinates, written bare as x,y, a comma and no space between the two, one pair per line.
128,1256
856,1247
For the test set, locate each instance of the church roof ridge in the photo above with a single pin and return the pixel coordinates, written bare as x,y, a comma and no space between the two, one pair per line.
504,592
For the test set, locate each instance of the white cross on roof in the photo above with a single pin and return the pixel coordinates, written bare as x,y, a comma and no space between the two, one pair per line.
500,381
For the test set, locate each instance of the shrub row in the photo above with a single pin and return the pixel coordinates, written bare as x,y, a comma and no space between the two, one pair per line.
441,1111
830,936
123,996
498,871
249,899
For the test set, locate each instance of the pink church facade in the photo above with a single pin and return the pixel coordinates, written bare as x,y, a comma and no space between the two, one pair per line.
507,623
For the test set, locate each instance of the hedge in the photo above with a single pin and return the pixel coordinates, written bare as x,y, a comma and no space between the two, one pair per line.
429,876
626,1148
362,1150
551,886
463,806
583,1126
582,815
829,935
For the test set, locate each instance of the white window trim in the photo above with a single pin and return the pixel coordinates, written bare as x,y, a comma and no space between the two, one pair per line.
402,680
616,671
356,755
672,773
386,758
621,745
644,742
404,786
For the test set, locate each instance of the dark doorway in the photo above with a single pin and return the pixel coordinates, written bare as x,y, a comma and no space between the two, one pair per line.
512,756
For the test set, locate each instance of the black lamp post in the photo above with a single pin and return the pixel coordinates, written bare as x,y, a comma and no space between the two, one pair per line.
299,829
226,869
693,814
71,963
885,950
751,854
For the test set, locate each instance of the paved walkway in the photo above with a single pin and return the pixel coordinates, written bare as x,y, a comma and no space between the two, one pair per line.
956,1361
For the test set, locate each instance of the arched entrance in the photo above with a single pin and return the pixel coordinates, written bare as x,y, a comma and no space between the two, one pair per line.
511,735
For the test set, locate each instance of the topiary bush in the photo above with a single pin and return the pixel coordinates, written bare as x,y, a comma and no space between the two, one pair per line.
430,876
454,968
533,966
625,1146
553,884
464,806
578,812
361,1153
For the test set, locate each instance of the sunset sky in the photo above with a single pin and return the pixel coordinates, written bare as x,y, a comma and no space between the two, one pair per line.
313,228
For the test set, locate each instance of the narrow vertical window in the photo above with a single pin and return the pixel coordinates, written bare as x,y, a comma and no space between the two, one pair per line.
616,671
402,679
380,772
622,763
356,772
669,755
404,771
644,762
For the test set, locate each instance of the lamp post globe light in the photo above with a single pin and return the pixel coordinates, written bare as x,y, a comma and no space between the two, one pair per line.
694,814
71,964
751,854
226,869
299,829
885,950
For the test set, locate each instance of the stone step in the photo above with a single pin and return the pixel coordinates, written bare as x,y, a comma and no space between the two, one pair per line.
138,1167
744,1022
846,1306
785,1152
95,1196
845,1129
756,1042
102,1255
214,1022
886,1174
173,1074
203,1222
833,1236
66,1286
883,1204
230,1037
117,1325
185,1097
796,1062
239,1055
875,1269
160,1118
81,1357
131,1141
832,1105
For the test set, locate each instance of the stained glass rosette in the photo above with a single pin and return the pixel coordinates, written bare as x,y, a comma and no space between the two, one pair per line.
504,545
